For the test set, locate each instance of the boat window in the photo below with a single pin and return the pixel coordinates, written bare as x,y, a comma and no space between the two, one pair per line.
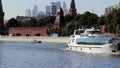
110,41
114,40
93,40
94,32
78,32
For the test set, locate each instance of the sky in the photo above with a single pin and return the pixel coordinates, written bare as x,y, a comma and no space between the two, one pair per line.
12,8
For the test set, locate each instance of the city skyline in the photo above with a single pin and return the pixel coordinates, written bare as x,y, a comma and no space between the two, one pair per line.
15,7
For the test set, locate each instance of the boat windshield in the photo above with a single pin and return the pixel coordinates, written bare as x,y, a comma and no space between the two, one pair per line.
78,32
94,32
93,40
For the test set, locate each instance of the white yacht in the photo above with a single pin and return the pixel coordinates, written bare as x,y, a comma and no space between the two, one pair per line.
93,41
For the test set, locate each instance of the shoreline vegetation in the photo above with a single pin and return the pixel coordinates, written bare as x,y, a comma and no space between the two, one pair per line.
31,38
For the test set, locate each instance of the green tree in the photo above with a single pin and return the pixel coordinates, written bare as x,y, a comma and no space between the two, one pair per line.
33,22
41,22
69,18
76,18
70,28
113,19
13,23
101,20
49,19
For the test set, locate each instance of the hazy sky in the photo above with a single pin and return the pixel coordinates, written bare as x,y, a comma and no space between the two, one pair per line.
12,8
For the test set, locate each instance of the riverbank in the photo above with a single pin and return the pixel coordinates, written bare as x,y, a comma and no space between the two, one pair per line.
29,39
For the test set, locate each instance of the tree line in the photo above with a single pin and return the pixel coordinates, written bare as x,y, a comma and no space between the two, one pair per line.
86,20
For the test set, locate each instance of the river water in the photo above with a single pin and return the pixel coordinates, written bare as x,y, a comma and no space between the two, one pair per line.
51,55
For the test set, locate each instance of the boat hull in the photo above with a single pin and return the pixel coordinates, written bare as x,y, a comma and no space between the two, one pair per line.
107,48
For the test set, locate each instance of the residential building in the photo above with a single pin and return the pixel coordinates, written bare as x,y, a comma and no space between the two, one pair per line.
47,9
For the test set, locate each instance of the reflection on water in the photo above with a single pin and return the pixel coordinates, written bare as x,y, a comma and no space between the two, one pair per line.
51,55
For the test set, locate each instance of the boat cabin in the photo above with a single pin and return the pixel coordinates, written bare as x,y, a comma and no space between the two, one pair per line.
93,31
88,32
97,40
79,31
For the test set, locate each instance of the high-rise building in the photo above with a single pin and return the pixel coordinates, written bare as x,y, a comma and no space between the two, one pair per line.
1,18
72,10
65,10
53,10
35,11
48,10
112,8
28,13
54,7
57,4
